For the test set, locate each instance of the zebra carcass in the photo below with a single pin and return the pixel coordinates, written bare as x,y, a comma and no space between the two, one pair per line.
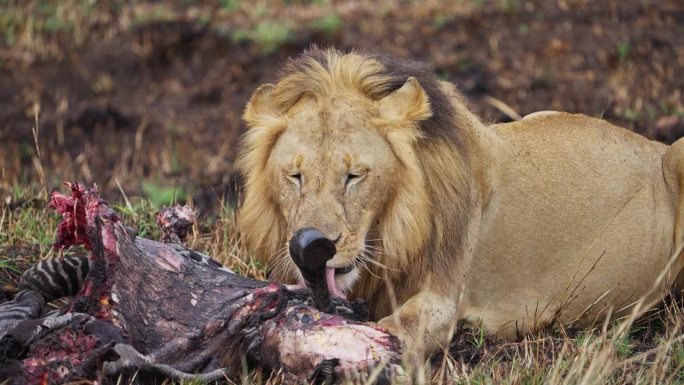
157,310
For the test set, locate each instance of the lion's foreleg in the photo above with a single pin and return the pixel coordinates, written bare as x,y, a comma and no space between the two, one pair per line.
425,323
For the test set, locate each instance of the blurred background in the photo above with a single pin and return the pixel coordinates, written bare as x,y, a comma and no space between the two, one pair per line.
145,97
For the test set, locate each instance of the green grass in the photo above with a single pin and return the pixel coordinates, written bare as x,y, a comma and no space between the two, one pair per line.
34,24
27,221
230,5
328,24
440,20
623,49
140,213
163,195
271,35
8,265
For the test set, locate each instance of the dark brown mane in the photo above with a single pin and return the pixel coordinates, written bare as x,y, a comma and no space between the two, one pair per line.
394,73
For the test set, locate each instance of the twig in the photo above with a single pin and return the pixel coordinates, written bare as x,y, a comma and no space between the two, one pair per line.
125,197
39,162
501,106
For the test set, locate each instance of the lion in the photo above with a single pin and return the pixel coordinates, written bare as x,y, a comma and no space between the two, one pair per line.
441,221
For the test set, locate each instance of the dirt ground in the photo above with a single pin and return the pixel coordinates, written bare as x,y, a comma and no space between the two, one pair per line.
157,103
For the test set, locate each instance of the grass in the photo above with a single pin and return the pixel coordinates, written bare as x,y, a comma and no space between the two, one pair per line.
161,195
649,351
328,24
41,28
623,49
589,357
646,351
269,35
25,219
34,26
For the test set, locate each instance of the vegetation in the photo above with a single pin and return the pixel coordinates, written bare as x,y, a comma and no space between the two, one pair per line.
144,98
644,351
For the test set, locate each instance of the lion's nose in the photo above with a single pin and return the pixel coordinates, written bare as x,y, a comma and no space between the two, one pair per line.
310,250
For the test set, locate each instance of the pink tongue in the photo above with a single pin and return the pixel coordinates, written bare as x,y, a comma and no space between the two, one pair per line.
330,280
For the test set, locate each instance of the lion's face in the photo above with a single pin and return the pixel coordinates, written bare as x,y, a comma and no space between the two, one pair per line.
333,147
332,168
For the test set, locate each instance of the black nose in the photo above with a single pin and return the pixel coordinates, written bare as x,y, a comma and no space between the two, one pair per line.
310,250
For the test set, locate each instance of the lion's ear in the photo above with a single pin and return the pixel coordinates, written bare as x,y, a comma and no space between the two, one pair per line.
410,102
260,104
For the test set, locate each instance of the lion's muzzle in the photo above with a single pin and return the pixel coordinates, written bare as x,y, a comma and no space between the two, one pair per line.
311,250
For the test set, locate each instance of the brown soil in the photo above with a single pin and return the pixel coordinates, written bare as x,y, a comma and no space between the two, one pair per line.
162,101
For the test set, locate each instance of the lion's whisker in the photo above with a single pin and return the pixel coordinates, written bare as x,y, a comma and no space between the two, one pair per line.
363,256
278,263
371,251
365,266
374,247
256,247
381,239
278,252
277,270
379,250
284,266
277,256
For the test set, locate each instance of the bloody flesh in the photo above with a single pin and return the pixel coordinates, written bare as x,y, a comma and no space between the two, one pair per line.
160,308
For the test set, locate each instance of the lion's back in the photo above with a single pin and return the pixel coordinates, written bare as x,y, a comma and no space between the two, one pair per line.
562,129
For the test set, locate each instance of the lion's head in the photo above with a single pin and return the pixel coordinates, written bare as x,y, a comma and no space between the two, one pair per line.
348,144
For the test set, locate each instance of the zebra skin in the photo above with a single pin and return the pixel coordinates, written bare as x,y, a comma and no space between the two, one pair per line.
46,281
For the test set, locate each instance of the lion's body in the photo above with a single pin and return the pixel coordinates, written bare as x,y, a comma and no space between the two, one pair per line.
580,217
554,218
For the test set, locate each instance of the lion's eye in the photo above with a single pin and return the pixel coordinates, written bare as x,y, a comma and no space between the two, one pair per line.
295,178
353,178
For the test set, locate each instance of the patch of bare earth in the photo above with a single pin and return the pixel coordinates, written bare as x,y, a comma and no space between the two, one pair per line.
161,100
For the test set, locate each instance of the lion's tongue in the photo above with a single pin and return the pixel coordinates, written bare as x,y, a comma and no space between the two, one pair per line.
330,280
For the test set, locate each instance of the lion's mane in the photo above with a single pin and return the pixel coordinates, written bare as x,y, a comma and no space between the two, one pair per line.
421,227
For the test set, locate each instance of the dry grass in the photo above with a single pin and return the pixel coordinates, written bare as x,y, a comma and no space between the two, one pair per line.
40,29
648,350
75,56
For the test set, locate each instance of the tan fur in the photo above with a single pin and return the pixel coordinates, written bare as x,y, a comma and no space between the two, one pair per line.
555,218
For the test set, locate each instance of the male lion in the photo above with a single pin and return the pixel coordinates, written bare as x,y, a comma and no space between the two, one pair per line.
438,218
